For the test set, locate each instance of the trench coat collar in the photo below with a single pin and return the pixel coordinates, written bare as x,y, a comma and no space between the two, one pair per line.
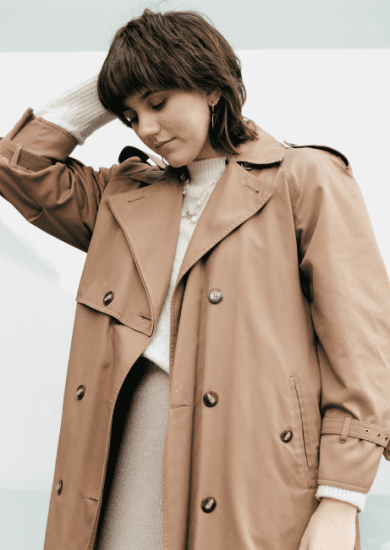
150,215
265,150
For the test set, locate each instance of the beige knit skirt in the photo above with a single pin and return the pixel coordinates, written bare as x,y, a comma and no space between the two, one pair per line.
130,517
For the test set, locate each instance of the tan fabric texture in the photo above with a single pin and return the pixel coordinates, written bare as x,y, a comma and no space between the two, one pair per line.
299,340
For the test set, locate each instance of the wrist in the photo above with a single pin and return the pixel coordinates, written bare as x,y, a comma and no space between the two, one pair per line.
356,498
340,506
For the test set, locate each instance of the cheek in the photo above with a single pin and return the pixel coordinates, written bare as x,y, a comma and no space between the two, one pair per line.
194,122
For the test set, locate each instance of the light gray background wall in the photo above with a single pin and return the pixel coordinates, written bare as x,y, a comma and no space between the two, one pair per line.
335,95
89,25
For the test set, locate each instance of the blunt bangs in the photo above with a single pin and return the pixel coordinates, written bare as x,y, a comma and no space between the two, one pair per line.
176,50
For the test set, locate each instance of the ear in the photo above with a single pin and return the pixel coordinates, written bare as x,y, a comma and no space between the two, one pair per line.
213,97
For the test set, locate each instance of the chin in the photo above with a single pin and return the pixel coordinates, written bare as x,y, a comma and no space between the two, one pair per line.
185,161
178,162
175,164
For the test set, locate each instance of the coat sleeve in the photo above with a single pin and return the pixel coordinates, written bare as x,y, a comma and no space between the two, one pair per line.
51,190
348,289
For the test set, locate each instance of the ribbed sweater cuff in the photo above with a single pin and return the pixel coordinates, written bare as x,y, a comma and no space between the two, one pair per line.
78,110
353,497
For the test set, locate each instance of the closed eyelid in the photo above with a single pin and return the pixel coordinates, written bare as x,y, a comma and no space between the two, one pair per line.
159,103
129,114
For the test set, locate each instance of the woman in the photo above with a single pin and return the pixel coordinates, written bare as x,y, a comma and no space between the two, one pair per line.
230,358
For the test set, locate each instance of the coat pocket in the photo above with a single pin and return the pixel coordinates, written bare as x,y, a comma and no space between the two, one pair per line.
310,464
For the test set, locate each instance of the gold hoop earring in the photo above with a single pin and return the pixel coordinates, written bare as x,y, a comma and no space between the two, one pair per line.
212,116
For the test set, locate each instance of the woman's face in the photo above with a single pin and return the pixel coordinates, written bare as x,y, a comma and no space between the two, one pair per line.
174,124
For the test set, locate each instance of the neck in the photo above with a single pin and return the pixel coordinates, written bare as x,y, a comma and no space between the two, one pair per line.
209,153
206,169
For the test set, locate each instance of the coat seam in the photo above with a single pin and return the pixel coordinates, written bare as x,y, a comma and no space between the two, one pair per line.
306,432
92,538
33,197
67,134
300,429
111,313
289,185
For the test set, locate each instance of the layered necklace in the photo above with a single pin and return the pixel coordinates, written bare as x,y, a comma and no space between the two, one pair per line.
192,203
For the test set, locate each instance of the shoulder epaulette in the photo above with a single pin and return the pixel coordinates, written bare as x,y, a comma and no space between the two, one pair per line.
324,148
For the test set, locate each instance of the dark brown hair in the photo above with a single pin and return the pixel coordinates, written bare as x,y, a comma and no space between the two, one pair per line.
177,50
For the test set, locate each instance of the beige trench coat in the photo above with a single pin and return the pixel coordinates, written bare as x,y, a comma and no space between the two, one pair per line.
299,343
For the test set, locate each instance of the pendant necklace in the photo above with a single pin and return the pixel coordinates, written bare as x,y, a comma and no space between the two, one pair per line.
193,213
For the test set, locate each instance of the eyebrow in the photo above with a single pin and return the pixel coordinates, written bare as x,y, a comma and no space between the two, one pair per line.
143,97
146,94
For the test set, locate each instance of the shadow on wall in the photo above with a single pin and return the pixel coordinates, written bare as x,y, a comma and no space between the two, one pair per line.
13,249
36,322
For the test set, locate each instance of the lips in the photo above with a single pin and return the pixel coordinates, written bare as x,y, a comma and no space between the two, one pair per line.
164,143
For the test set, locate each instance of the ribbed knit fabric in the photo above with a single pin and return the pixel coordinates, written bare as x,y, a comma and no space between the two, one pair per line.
131,515
353,497
78,110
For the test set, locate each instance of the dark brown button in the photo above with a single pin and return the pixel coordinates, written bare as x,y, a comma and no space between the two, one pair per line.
208,504
80,392
108,298
287,436
210,399
59,487
215,296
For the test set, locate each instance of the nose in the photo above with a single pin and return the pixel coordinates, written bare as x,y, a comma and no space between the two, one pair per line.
148,127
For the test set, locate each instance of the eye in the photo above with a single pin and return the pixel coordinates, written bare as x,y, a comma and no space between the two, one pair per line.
159,105
133,119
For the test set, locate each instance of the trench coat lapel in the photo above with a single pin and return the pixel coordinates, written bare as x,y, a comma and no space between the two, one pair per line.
238,195
150,216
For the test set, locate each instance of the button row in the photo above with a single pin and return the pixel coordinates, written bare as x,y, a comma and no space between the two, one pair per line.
210,399
208,504
215,296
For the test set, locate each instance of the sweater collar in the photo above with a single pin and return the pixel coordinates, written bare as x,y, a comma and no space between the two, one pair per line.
202,172
263,151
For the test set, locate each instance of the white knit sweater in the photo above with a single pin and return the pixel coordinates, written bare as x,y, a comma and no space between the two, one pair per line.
80,112
202,173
